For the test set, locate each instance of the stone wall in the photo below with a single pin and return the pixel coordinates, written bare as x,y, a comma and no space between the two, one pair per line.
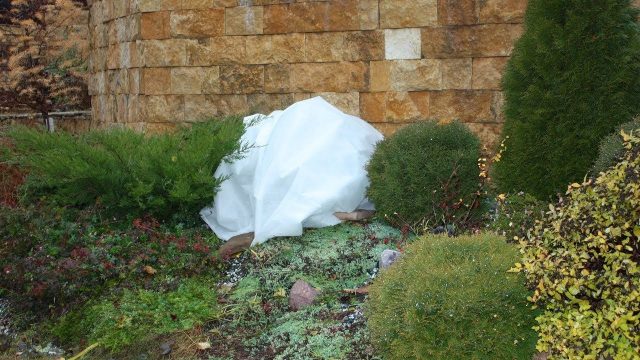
157,63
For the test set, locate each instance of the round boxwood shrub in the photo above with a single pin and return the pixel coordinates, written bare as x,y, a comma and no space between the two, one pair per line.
612,147
452,298
583,262
423,171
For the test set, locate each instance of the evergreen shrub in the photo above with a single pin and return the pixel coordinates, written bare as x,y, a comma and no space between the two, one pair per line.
426,172
516,214
573,78
612,148
583,262
168,176
452,298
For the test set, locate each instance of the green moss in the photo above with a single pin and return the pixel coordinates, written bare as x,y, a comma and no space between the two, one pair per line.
452,298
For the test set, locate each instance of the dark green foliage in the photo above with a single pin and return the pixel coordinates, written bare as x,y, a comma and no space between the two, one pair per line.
421,172
573,77
452,298
612,148
168,176
516,214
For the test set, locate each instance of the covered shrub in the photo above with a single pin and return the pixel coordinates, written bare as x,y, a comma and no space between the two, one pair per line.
573,78
452,298
426,172
612,147
168,176
583,262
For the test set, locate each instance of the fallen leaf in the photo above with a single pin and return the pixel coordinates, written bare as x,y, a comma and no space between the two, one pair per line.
149,270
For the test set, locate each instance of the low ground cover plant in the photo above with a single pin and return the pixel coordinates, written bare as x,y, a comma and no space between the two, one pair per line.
583,262
452,298
611,148
573,78
426,175
168,176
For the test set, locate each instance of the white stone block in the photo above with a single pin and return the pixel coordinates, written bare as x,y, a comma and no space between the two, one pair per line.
402,44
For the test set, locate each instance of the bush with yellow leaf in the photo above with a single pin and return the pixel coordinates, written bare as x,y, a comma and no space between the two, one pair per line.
583,262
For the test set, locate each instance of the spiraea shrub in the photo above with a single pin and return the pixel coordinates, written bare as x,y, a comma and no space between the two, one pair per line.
426,173
452,298
573,78
612,147
167,176
583,263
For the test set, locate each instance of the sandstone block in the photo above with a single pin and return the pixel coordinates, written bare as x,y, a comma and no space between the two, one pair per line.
269,49
489,133
211,80
156,81
120,8
113,56
487,72
456,73
408,13
387,129
241,79
186,80
318,16
243,20
406,75
197,23
344,46
154,25
149,5
502,11
277,78
470,41
199,107
463,105
396,107
170,52
135,78
159,128
267,103
457,12
329,77
218,50
162,109
402,44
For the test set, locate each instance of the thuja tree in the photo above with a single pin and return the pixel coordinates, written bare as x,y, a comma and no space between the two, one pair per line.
44,66
573,78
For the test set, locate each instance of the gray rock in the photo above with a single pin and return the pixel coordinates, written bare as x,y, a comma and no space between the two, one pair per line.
301,295
388,257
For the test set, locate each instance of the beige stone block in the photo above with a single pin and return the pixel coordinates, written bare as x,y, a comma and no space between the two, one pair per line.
458,12
277,78
201,107
135,78
211,80
243,20
502,11
269,49
120,8
155,25
267,103
470,41
489,134
349,103
406,75
463,105
368,14
402,44
113,56
186,80
162,108
156,81
487,72
149,5
170,52
197,23
329,77
344,46
388,129
241,79
408,13
218,50
397,107
456,73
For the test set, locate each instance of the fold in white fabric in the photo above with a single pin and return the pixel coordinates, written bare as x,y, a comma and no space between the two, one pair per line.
307,163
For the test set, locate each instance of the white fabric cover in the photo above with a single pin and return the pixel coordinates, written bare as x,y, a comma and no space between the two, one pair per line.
307,162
